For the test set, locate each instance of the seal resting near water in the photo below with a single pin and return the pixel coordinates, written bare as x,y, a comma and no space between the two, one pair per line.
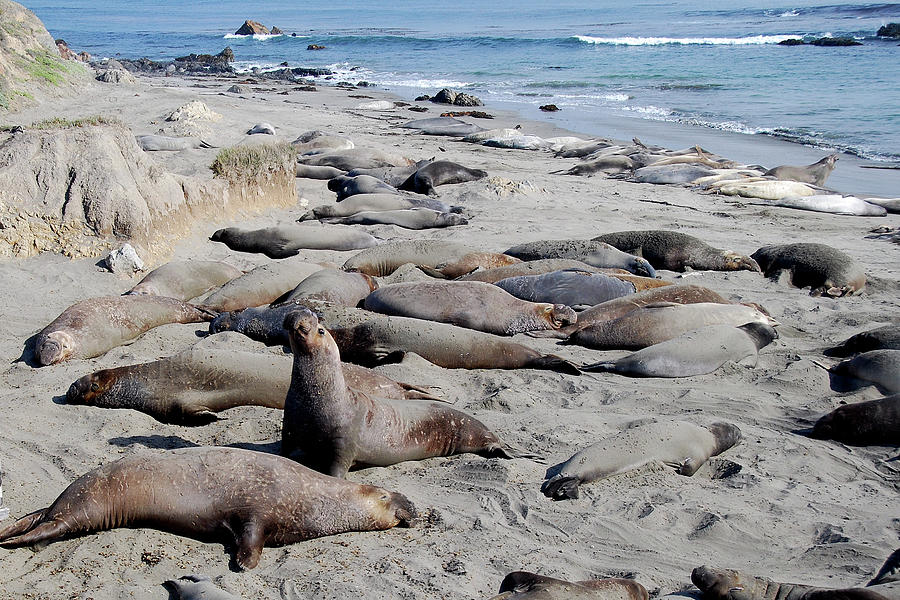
185,279
696,352
683,446
826,270
594,253
247,498
287,240
449,259
471,304
815,173
677,251
330,428
522,585
872,423
92,327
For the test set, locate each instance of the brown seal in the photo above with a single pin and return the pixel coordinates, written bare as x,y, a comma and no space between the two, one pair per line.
595,253
815,173
262,285
826,270
97,325
185,279
450,259
677,251
204,493
332,285
882,338
522,585
287,240
330,428
872,423
471,304
570,287
191,387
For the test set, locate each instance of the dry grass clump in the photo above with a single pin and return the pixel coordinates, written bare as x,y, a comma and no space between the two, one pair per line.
249,163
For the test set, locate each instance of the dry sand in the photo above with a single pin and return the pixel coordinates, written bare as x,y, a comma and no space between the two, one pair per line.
800,510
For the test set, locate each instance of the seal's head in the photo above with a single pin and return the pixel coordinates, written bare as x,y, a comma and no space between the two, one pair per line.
390,509
89,388
307,335
727,436
727,584
53,348
223,322
641,266
762,334
825,427
449,219
738,262
559,315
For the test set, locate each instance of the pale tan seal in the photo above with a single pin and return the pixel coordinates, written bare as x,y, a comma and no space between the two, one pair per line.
815,173
450,259
825,270
592,252
262,285
186,279
204,493
287,240
333,285
522,585
683,446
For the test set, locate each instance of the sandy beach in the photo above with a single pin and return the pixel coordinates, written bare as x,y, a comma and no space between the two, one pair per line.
799,509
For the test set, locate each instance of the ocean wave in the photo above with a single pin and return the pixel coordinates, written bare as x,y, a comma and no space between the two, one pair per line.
854,11
261,37
754,40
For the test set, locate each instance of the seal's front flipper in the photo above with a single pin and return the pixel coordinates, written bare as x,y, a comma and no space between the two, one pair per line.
560,487
551,362
249,546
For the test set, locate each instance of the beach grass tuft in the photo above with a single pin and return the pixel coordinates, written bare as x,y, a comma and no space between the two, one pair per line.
247,163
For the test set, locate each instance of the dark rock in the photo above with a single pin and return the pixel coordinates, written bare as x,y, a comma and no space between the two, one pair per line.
477,114
252,28
315,47
467,100
445,96
891,30
549,108
792,42
363,84
276,31
283,64
419,108
835,41
209,63
423,98
307,72
305,88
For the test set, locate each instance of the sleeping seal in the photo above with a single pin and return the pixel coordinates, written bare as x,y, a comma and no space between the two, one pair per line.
824,269
287,240
872,423
677,251
262,285
594,253
877,367
449,258
332,285
162,143
417,217
185,279
345,186
677,444
375,202
882,338
571,287
521,585
440,172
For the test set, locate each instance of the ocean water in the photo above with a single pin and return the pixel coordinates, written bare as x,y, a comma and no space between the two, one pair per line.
689,62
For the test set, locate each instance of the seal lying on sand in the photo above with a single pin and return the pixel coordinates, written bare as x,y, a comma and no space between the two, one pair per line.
345,186
185,279
330,428
410,218
522,585
597,254
442,126
878,367
375,202
883,338
531,267
824,269
332,285
677,251
815,173
696,352
157,143
196,587
872,423
578,289
440,172
354,158
677,444
262,285
471,304
449,258
830,203
92,327
287,240
204,493
191,387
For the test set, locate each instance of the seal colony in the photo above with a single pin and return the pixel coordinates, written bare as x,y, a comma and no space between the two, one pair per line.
483,517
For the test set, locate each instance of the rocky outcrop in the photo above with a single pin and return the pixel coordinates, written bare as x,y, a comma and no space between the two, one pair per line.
835,41
116,76
791,42
891,30
448,96
252,28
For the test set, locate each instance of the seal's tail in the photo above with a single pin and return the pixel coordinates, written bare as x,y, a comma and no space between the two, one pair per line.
604,366
559,334
560,487
504,450
30,530
206,145
551,362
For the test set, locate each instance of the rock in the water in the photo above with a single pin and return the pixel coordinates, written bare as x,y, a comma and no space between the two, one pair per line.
549,108
276,30
445,96
252,28
891,30
124,261
315,47
791,42
467,100
835,41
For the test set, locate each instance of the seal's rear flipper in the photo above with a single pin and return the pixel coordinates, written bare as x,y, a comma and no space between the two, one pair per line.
32,529
560,487
206,145
607,366
547,333
551,362
890,571
431,271
510,452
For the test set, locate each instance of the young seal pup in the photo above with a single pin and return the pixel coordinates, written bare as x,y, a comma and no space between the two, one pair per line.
330,428
522,585
826,270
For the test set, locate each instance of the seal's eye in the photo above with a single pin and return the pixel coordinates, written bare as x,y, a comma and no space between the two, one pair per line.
95,387
321,331
548,309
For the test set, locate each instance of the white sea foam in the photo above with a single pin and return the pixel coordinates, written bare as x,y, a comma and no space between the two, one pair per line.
262,37
755,40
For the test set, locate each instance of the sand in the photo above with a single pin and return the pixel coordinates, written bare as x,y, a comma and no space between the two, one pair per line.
799,510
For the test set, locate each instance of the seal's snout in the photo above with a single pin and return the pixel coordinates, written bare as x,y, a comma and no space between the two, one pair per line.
643,267
563,315
404,510
221,323
301,320
75,395
49,352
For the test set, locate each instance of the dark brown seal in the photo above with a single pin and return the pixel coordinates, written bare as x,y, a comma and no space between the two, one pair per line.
883,338
677,251
330,428
826,270
247,498
872,423
97,325
522,585
727,584
440,172
875,367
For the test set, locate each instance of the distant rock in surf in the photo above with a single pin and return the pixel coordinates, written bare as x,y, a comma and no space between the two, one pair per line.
792,42
549,108
252,28
891,30
448,96
835,41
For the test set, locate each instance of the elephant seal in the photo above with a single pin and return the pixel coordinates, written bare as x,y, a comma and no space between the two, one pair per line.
878,367
727,584
375,202
655,323
262,285
440,172
677,444
263,128
331,429
449,258
767,189
185,279
696,352
470,304
392,176
826,270
449,126
162,143
883,338
354,158
522,585
287,240
191,387
319,141
311,172
531,267
197,587
92,327
332,285
830,203
872,423
594,253
608,165
345,186
815,173
670,174
203,493
571,287
677,251
409,218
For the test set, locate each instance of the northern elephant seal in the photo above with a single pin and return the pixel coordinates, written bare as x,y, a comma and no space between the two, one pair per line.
877,367
677,251
683,446
197,587
531,267
331,429
354,158
571,287
312,172
826,270
416,217
393,176
815,173
696,352
193,386
830,203
262,128
882,338
185,279
320,141
449,126
162,143
333,285
345,186
204,493
287,240
655,323
594,253
262,285
92,327
449,258
670,174
375,202
522,585
471,304
872,423
440,172
608,165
